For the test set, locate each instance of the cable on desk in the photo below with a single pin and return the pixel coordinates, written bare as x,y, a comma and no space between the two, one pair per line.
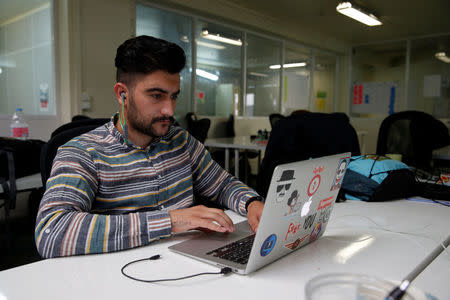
223,271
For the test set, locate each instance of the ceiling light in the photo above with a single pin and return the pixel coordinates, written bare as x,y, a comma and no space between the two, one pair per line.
285,66
350,10
218,38
206,75
258,74
209,45
442,56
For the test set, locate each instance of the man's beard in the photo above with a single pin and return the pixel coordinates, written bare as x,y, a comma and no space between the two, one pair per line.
139,124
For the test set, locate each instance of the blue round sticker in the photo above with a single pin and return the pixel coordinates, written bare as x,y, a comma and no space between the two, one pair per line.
268,245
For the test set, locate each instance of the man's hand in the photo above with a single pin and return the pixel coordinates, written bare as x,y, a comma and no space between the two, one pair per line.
254,213
200,217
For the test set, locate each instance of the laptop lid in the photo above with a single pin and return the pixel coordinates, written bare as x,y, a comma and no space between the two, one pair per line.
298,205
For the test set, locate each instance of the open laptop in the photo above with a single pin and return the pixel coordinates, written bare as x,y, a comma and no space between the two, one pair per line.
298,205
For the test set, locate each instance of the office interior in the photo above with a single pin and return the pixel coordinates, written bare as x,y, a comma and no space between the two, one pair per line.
57,60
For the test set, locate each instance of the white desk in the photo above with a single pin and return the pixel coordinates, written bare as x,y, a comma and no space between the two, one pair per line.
352,243
237,143
27,182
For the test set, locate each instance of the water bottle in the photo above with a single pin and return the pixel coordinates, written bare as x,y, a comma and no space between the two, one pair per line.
18,127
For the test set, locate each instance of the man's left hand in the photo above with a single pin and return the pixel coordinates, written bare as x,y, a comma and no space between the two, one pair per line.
254,213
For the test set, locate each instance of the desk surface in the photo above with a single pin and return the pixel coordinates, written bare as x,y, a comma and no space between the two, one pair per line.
385,240
27,182
237,142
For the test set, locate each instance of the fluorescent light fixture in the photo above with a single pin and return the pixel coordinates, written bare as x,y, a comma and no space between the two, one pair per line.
206,75
442,56
185,39
209,45
354,12
218,38
258,74
285,66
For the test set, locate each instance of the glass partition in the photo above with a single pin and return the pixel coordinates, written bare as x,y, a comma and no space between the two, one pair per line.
263,76
378,78
297,77
324,82
429,79
26,58
218,79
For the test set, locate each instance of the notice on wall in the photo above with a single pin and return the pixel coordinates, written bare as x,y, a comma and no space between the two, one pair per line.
374,97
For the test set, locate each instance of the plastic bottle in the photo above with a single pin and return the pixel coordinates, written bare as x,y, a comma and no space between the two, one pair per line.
18,127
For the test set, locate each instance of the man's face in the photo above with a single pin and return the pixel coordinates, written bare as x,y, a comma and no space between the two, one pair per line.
152,104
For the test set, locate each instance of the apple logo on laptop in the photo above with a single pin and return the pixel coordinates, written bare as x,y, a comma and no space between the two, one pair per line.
305,208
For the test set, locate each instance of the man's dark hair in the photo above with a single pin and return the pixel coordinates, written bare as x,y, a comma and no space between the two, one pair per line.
144,55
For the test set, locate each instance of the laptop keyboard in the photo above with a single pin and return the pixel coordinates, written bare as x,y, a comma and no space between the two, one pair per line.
238,251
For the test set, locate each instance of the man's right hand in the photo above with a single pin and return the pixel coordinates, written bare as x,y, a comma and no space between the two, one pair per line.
200,217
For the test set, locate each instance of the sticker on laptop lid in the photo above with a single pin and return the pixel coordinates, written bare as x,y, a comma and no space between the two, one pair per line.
292,229
340,171
315,233
268,245
295,243
294,204
284,184
325,202
314,185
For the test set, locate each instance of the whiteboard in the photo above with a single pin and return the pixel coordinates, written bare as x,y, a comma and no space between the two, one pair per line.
374,97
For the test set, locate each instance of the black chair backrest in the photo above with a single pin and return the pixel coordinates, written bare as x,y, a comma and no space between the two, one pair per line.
305,136
198,128
48,151
79,123
273,118
414,134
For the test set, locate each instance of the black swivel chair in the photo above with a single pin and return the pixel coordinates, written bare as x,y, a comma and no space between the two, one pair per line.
305,136
415,135
198,128
59,137
275,117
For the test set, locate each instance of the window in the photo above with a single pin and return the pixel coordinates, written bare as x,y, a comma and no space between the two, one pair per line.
26,59
429,77
263,76
297,77
218,70
324,82
176,29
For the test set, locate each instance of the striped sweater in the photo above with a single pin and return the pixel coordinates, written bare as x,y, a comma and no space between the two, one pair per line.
105,195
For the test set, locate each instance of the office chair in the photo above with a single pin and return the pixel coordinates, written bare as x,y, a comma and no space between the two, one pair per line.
198,128
304,136
415,135
60,136
273,118
79,123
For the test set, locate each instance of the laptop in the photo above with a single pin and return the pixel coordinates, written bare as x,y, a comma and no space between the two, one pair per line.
298,206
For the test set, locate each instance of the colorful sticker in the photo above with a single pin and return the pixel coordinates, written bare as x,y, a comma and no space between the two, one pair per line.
325,215
294,204
268,245
293,228
295,243
284,184
314,185
309,221
315,233
325,202
337,181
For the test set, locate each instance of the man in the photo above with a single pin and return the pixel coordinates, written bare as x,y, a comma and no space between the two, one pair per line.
133,180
